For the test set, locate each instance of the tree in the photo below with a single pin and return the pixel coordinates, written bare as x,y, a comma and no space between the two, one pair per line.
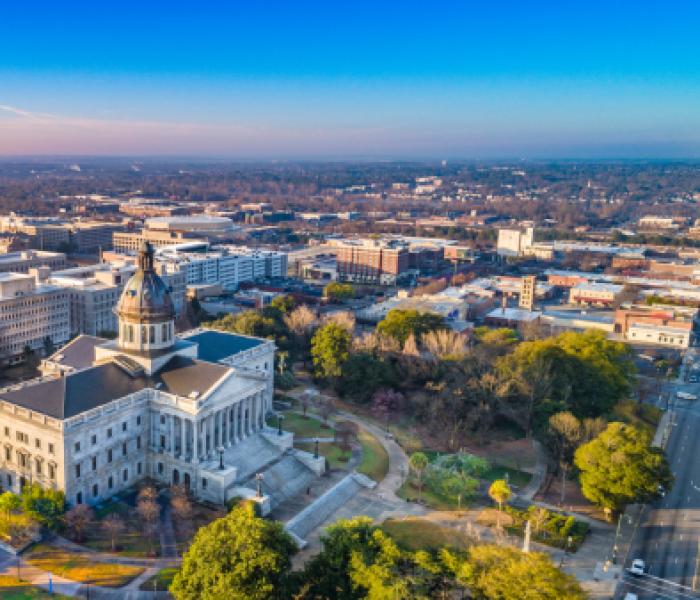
149,510
385,403
238,557
338,291
301,320
499,491
503,573
418,462
10,503
113,526
330,349
565,435
78,519
620,467
45,506
444,343
249,322
285,304
357,561
343,318
399,323
363,374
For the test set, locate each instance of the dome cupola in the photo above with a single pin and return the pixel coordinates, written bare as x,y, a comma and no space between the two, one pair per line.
145,310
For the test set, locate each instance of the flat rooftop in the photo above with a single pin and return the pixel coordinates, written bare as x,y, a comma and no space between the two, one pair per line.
217,345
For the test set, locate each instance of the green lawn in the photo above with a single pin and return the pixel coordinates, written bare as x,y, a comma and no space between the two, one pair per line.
336,457
428,496
162,580
420,534
13,589
78,567
301,426
517,478
375,460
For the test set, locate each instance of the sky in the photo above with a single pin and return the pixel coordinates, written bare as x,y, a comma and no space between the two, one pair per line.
341,79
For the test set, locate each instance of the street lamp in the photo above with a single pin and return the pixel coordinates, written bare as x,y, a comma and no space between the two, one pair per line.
258,481
220,450
316,448
617,535
280,418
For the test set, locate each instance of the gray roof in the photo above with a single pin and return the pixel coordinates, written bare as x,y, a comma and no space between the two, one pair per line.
217,345
80,353
182,376
90,388
77,392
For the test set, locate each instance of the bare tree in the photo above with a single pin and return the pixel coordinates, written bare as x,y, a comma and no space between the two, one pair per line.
444,343
343,318
113,526
78,519
566,432
301,321
326,407
149,511
147,492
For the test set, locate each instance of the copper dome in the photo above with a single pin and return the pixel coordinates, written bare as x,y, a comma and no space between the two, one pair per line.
146,298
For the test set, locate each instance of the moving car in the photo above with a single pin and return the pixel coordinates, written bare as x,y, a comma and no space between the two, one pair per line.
637,567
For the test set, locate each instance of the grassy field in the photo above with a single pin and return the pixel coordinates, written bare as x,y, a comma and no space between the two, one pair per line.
301,426
131,542
162,580
515,477
13,589
375,460
421,534
78,567
336,457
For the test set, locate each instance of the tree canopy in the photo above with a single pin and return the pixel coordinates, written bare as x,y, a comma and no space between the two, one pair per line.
330,349
338,291
240,557
620,467
399,324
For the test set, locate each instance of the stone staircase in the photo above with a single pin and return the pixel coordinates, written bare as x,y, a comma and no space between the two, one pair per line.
316,513
284,478
250,456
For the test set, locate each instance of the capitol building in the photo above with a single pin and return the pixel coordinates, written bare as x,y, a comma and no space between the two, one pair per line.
183,409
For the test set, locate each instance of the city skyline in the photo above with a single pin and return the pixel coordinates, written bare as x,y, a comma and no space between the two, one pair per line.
317,81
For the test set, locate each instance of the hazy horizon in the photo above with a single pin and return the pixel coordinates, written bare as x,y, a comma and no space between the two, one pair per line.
317,81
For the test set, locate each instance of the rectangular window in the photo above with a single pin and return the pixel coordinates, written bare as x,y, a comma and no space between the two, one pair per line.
124,426
77,470
138,420
124,449
109,456
50,448
109,432
77,446
37,443
93,439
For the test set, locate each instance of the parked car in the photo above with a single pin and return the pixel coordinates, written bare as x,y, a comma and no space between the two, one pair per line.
631,596
637,567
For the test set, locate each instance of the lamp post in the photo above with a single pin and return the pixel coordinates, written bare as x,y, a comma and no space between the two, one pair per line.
617,535
258,481
316,448
280,418
220,450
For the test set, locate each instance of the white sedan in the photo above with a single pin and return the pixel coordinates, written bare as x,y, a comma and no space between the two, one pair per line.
637,567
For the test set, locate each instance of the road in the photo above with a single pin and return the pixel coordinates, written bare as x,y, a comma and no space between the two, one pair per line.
668,535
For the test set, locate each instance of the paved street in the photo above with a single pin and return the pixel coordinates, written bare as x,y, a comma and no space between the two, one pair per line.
668,533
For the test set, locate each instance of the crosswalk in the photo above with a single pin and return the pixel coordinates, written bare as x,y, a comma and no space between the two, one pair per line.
655,588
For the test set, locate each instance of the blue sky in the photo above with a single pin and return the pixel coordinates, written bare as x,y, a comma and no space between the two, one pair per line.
351,79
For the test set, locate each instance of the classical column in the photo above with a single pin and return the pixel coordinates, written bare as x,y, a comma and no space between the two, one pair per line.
183,438
229,436
237,422
195,441
211,435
